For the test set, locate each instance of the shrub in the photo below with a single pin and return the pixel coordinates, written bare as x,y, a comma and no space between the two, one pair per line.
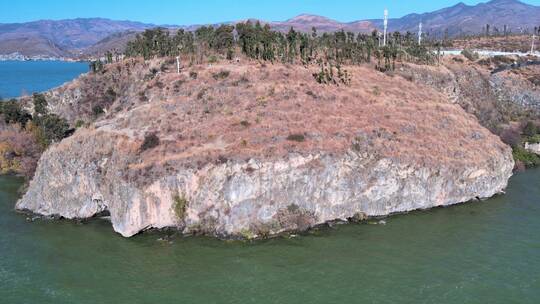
533,139
142,97
79,124
296,137
230,54
212,59
97,110
150,141
529,159
472,56
177,84
327,75
420,53
221,75
40,104
160,85
535,79
193,74
19,151
151,75
51,128
511,137
110,95
500,59
201,93
530,129
179,206
245,123
242,79
14,113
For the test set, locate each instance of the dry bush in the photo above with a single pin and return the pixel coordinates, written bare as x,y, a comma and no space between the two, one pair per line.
19,151
511,137
150,141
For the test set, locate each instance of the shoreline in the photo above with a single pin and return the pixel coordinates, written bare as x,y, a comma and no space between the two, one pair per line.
21,57
358,219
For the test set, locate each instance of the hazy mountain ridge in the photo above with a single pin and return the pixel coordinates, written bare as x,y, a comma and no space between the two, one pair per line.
467,19
92,36
63,37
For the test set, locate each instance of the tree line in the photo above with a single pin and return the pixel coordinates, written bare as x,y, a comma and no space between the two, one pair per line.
260,42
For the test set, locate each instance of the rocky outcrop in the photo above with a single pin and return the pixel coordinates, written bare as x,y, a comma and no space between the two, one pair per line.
261,153
494,98
258,197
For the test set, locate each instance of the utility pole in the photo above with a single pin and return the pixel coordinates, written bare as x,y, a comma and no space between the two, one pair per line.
420,33
177,64
385,26
532,45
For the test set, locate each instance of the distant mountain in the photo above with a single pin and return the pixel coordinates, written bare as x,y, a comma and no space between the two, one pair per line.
62,37
32,46
305,23
94,36
466,19
116,41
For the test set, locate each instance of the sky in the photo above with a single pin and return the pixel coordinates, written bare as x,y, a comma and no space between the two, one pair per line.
186,12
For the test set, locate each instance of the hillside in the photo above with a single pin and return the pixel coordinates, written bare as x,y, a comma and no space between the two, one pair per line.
115,43
32,46
248,149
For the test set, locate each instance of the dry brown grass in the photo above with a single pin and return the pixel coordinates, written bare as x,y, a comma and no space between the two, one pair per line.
513,43
398,119
253,112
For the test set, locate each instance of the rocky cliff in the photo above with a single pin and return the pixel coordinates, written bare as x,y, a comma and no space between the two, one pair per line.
495,98
255,150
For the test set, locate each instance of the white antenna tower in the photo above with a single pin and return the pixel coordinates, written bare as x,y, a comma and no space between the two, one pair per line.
177,64
385,26
420,33
532,45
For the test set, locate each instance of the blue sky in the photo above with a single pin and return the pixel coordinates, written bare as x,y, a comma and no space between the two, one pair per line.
212,11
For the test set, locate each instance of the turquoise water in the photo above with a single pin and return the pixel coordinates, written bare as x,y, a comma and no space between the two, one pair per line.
484,252
26,77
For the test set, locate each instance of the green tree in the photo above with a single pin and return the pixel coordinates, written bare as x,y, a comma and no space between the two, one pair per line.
52,128
530,129
14,113
40,104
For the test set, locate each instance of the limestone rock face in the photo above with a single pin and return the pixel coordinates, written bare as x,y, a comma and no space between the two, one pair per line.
492,97
259,197
254,155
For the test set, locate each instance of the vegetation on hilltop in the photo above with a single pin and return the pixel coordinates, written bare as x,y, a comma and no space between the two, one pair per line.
260,42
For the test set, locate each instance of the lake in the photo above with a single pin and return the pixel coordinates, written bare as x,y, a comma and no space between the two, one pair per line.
19,78
481,252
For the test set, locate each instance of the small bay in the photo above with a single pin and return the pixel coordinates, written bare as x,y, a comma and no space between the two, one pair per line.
18,78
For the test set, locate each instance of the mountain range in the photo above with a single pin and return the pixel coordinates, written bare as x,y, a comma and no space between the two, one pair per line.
62,38
470,19
75,37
